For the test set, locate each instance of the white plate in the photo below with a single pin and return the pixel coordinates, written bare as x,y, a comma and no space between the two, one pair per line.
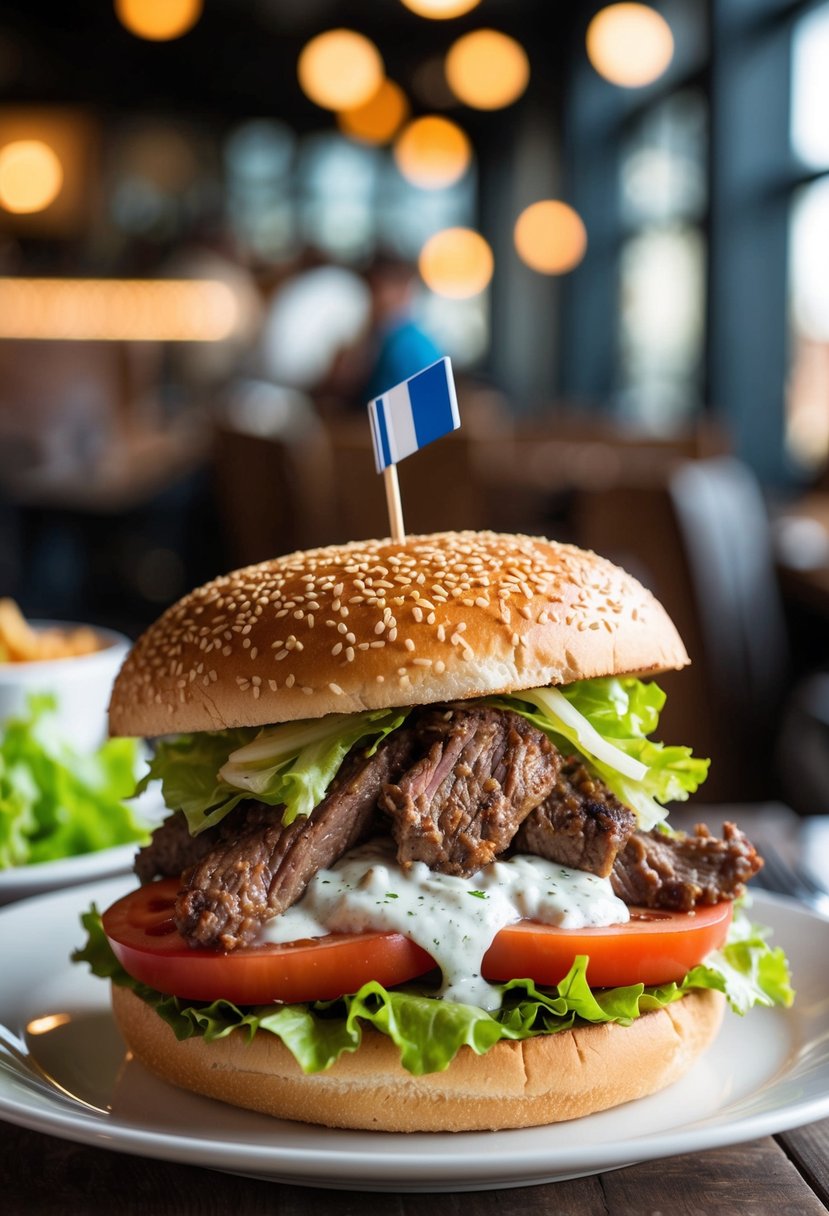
21,882
63,1071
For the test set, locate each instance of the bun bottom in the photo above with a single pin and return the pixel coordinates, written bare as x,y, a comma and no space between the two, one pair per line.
543,1080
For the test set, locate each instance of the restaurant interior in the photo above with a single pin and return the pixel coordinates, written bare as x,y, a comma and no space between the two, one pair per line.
613,218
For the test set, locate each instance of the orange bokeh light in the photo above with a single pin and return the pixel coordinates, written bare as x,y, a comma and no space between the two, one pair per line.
432,152
487,69
158,20
631,45
456,262
378,119
340,69
441,10
550,237
118,310
31,176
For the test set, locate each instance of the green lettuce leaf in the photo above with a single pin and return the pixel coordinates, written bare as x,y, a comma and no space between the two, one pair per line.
429,1032
56,803
205,775
623,712
187,767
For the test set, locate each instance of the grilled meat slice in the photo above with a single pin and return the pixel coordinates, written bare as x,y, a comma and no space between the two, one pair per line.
245,881
172,850
580,823
679,872
479,773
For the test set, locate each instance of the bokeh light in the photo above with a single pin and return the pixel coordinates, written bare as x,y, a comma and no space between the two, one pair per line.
487,69
340,69
432,152
550,237
158,20
630,44
441,10
31,176
118,310
456,262
377,120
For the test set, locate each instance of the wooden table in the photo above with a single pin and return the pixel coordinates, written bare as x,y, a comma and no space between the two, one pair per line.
786,1175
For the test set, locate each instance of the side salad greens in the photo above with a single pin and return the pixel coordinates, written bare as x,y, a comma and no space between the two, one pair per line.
55,803
429,1032
608,721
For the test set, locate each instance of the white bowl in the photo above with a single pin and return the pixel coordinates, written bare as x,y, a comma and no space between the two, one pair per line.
82,685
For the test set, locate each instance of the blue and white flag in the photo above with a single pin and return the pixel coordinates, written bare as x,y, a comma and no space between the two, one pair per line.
414,413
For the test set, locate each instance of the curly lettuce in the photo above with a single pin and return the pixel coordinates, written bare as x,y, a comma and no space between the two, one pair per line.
429,1032
55,802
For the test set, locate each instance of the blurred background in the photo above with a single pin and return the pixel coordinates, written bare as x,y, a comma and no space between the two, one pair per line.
225,224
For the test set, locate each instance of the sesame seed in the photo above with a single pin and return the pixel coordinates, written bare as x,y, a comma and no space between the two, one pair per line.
335,688
440,667
290,681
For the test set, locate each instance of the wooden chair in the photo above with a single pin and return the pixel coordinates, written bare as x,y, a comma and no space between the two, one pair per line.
273,490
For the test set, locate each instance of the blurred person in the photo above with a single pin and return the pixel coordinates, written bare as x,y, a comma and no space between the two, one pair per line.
392,345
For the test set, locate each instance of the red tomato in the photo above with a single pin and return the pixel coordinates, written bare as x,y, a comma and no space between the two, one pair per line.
146,942
652,948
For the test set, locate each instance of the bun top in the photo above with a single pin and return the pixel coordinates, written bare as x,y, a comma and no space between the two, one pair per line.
381,623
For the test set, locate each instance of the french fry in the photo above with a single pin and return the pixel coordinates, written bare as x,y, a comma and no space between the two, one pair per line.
19,643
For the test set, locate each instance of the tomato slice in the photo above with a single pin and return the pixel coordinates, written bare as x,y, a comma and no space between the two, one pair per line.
145,941
652,948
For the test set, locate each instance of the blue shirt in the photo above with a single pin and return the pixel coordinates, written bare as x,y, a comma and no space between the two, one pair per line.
404,350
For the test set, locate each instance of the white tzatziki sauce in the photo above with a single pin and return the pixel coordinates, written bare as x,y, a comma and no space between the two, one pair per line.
453,919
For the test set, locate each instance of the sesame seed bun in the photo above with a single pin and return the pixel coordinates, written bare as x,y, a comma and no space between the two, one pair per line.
380,623
541,1080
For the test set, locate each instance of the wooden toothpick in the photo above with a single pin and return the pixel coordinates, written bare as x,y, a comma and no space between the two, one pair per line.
395,507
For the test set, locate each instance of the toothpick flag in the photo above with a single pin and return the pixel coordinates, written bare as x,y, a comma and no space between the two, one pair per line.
405,419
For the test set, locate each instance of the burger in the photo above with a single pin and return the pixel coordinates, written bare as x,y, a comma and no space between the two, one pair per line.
416,874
